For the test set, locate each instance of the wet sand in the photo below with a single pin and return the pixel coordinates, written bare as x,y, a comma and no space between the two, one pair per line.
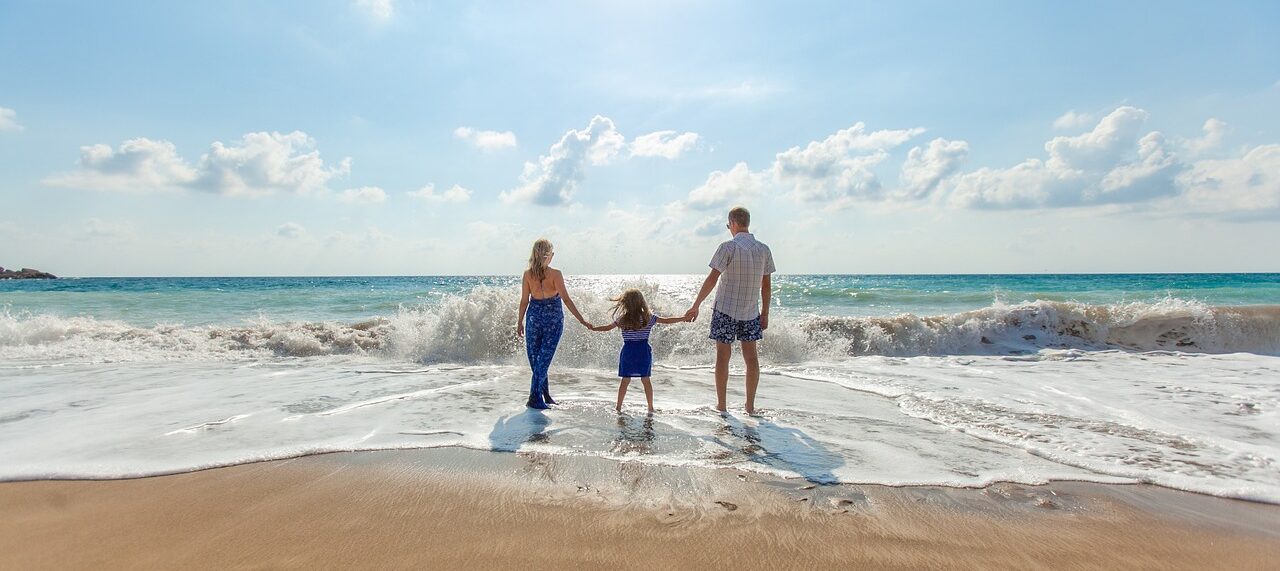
453,508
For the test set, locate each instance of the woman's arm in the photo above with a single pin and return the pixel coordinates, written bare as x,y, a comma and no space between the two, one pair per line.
568,302
524,303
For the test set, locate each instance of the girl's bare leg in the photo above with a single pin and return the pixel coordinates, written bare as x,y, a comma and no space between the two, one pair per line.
648,392
622,392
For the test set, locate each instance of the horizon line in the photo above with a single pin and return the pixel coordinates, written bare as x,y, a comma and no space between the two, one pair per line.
921,274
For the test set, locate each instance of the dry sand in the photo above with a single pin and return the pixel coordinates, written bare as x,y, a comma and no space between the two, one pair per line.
468,509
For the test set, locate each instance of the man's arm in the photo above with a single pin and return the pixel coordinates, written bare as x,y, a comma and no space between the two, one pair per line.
708,285
766,290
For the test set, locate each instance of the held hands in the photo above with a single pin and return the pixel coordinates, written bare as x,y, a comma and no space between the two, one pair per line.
520,329
689,316
692,315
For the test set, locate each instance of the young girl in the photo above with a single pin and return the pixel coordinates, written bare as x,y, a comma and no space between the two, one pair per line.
631,315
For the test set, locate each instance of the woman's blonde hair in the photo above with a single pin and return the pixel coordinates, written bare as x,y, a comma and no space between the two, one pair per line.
538,258
630,310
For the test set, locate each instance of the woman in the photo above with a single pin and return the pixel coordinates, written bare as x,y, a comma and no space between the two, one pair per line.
541,290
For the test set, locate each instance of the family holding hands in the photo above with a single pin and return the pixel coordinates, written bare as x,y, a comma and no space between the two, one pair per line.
740,275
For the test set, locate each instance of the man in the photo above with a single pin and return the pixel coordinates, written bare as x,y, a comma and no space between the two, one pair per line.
742,266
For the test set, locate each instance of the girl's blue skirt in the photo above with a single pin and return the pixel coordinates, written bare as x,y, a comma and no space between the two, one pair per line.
636,359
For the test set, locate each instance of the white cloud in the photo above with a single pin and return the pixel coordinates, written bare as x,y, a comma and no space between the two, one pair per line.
9,120
839,168
553,179
1026,185
290,230
722,189
455,194
1098,148
263,163
377,10
666,144
363,195
1072,120
257,164
139,165
1113,163
836,171
1116,162
1214,132
1249,185
486,140
1152,175
926,168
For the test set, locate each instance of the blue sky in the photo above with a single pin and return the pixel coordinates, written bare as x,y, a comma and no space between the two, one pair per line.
414,137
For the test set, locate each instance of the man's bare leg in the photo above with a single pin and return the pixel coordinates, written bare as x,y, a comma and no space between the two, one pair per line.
752,360
723,351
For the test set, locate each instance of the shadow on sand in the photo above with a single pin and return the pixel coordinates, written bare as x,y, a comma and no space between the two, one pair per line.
781,447
513,431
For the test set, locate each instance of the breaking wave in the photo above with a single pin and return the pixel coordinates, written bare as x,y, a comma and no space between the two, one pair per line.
479,327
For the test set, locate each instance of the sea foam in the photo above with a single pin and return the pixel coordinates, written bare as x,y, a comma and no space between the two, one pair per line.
479,328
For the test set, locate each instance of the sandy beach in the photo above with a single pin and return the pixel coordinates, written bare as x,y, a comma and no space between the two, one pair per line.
407,284
452,508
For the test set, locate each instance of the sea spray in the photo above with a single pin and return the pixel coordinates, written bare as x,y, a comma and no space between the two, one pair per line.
479,327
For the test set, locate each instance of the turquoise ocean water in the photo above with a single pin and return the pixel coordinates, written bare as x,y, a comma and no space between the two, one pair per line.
208,301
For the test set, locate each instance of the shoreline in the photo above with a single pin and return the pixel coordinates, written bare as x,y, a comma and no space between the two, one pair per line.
453,507
447,449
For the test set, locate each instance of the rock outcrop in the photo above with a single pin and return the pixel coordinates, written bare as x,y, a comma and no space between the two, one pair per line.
25,274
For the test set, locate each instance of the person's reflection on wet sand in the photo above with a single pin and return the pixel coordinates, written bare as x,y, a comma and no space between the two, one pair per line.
635,436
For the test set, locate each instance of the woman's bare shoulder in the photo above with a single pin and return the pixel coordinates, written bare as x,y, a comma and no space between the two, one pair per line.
554,273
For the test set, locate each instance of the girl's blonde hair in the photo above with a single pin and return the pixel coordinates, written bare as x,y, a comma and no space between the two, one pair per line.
538,258
630,310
